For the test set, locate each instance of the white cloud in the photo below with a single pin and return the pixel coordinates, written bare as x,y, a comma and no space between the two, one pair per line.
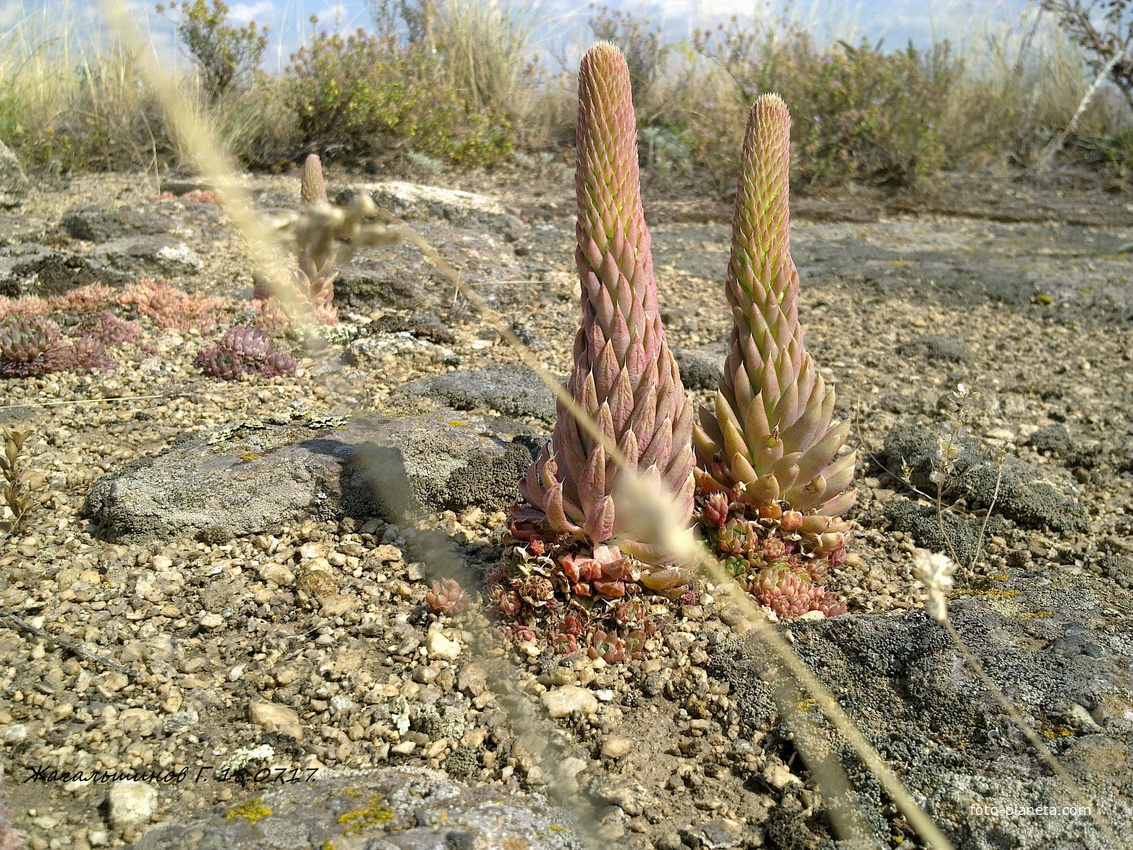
263,12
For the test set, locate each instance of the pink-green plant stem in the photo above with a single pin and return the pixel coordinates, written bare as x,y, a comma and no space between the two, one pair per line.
624,376
771,433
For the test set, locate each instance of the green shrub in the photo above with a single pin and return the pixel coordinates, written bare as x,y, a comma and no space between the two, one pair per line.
640,43
224,55
859,114
369,94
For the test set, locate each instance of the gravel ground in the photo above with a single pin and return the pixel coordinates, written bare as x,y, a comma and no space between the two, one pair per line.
183,642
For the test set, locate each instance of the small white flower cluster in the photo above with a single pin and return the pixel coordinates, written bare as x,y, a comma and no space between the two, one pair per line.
239,758
934,570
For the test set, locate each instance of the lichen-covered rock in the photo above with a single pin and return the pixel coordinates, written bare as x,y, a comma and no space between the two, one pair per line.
1017,491
389,809
920,521
1049,647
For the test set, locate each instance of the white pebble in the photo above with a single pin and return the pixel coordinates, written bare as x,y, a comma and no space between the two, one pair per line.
129,802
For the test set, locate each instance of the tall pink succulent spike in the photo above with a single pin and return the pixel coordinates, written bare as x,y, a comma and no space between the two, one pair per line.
771,432
624,376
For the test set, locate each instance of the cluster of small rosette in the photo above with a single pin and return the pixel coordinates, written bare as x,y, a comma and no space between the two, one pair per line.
244,350
35,345
762,475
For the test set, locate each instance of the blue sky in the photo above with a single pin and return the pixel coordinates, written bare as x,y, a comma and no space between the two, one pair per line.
563,23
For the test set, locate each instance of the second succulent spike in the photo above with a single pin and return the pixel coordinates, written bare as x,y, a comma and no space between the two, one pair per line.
624,376
769,446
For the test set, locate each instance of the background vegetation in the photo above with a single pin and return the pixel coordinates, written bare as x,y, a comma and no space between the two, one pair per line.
442,82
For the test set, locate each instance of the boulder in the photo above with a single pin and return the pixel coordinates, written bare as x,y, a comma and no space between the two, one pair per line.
152,255
251,476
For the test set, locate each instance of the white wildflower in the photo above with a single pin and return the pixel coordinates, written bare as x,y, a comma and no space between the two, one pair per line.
934,570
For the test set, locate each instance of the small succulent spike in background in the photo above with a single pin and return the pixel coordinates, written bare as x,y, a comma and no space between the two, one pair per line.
772,483
624,379
324,234
312,188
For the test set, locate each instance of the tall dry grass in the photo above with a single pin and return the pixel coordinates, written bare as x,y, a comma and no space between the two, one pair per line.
1021,87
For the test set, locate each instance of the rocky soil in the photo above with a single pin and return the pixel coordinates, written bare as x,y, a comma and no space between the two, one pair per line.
151,622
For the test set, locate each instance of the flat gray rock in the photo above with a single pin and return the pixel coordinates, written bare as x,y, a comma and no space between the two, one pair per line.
1053,651
13,181
400,277
251,476
388,809
509,389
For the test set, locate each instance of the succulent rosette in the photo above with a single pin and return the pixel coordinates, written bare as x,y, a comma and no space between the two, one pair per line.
769,461
244,350
30,347
625,380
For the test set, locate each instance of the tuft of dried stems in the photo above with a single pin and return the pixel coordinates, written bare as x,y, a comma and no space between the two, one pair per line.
18,481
